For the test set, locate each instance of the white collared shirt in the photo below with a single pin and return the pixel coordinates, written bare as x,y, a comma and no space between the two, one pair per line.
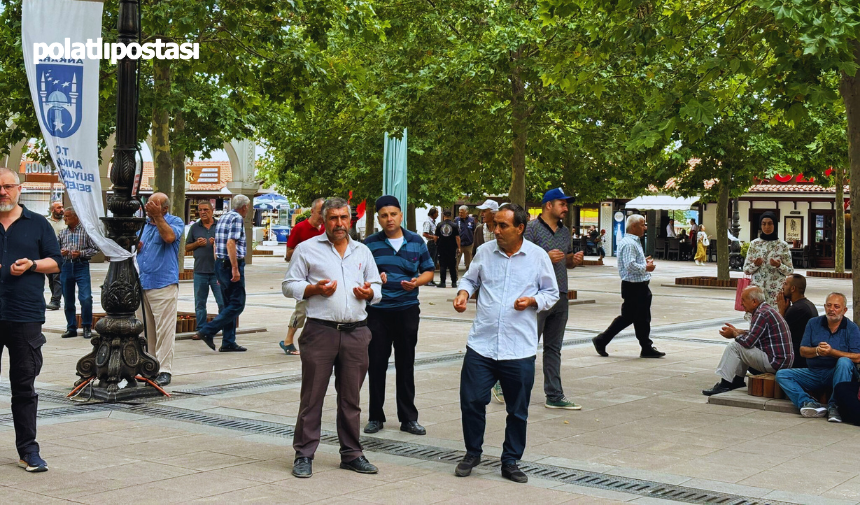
316,259
501,332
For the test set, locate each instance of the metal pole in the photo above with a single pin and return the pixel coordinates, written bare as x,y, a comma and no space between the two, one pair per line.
736,261
119,351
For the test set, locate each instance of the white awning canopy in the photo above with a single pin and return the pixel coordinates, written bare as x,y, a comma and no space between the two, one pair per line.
661,202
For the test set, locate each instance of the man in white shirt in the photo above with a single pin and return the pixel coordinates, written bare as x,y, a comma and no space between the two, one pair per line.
670,229
429,234
338,277
517,281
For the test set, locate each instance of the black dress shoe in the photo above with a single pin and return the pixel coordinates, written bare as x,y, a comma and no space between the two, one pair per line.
431,283
163,379
232,348
717,389
88,332
208,339
360,465
69,334
599,346
413,427
53,306
373,426
513,472
440,285
453,284
651,353
303,468
464,467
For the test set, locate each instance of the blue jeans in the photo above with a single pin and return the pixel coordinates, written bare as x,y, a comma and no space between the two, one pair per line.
233,294
477,378
202,284
77,272
797,381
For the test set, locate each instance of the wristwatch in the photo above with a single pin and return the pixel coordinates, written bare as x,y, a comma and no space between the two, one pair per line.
33,266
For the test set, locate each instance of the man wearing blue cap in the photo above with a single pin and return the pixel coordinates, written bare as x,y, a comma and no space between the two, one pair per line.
549,232
404,264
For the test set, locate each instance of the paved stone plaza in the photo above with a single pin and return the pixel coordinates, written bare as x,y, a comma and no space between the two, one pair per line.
645,433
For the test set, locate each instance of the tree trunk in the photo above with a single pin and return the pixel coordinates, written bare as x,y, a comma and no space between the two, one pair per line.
178,197
839,238
369,217
410,217
723,230
161,129
519,128
849,88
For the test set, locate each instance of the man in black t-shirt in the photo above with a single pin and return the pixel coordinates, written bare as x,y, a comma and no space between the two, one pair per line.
447,247
797,310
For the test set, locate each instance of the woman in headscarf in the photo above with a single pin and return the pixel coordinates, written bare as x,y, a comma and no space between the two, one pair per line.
768,260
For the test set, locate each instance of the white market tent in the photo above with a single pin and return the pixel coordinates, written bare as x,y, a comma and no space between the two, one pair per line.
661,202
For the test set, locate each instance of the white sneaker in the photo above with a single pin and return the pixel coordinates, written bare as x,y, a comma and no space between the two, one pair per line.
813,409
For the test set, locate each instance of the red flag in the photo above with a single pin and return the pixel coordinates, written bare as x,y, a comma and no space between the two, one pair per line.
362,207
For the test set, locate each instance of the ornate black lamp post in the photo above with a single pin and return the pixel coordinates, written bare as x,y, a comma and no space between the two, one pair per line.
119,351
736,261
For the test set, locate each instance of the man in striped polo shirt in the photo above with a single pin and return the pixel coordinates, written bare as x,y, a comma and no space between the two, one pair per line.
404,264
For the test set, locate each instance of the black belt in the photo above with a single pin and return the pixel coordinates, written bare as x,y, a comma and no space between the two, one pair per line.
339,326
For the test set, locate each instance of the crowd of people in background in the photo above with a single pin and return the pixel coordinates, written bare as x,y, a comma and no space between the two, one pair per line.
357,302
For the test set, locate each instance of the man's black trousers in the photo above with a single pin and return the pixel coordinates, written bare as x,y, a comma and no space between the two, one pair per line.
24,341
447,261
635,310
398,328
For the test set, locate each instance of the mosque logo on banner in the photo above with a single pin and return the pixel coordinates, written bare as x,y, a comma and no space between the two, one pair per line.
60,104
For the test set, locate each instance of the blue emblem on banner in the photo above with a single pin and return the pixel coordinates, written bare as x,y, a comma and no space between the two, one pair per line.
59,97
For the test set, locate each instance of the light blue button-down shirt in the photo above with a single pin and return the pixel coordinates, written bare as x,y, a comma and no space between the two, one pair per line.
501,332
159,261
316,259
631,260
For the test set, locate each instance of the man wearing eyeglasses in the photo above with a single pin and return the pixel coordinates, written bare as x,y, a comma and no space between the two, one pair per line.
28,250
635,271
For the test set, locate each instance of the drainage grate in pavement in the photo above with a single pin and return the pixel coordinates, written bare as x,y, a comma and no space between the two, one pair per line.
84,408
639,487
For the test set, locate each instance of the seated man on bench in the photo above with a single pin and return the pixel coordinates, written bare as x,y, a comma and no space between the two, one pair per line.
831,346
766,346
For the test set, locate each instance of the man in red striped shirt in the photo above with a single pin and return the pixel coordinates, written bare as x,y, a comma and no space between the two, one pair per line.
309,228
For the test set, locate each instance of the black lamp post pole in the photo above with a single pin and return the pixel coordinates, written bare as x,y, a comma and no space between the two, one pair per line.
119,351
736,261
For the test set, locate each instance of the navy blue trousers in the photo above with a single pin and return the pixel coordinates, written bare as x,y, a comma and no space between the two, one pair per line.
477,378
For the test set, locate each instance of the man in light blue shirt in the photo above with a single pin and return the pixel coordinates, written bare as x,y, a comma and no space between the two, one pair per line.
517,281
635,271
158,260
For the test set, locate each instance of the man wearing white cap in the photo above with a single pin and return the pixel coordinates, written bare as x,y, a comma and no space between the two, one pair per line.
484,231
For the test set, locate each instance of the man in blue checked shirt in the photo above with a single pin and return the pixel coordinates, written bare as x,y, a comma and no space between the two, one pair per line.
158,260
77,249
635,271
404,264
517,281
230,250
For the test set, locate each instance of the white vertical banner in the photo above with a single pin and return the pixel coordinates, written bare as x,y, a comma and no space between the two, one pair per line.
65,92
